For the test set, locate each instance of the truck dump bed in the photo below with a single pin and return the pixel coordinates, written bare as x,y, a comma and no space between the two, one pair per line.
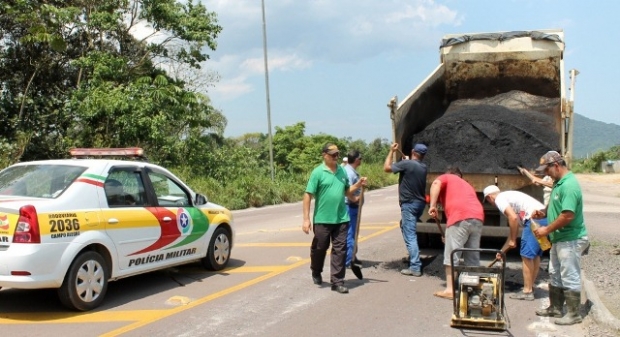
495,102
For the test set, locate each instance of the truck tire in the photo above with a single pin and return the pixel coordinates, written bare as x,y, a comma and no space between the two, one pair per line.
218,252
85,283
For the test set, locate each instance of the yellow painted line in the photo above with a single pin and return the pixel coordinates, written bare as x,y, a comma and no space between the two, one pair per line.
375,227
166,313
94,317
377,233
291,229
274,244
298,228
379,224
259,269
382,230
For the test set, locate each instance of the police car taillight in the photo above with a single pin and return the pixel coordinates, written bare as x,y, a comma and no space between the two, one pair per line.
27,230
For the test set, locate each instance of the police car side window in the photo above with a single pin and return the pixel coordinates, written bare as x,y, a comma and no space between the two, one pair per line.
124,188
168,192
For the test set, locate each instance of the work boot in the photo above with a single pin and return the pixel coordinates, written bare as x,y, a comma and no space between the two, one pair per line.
573,301
556,302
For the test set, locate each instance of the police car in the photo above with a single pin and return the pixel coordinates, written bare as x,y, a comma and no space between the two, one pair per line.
76,224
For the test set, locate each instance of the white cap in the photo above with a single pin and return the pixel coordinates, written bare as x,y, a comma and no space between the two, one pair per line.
345,159
490,190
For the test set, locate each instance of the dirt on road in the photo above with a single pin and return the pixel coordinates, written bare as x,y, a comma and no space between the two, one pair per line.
601,197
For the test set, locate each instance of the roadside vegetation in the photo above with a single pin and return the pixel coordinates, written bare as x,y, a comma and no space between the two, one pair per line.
595,163
241,176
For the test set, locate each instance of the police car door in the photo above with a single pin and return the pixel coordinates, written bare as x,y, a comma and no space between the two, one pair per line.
130,219
185,225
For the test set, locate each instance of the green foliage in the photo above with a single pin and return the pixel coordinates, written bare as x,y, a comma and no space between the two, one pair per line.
594,162
73,74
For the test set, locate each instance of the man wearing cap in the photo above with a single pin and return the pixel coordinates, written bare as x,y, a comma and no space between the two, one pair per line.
354,160
568,235
464,218
329,184
412,200
518,208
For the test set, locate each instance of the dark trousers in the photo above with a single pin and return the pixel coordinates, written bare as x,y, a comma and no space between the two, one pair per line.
322,236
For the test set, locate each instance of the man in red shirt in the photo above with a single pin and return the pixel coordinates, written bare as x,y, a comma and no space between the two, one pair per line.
464,215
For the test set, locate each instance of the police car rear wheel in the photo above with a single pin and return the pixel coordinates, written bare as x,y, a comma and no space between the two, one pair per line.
86,282
219,250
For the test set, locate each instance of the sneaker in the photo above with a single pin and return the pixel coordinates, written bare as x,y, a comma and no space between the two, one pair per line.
522,296
410,272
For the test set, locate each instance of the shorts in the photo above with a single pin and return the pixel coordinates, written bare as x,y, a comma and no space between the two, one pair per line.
530,248
463,234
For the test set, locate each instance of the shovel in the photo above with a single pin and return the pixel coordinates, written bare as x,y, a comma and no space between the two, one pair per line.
355,268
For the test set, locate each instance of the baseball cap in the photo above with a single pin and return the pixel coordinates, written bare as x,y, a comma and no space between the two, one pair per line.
330,148
420,148
345,159
548,158
490,190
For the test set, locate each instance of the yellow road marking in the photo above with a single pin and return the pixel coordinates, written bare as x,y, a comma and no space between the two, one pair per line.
68,317
364,225
144,317
274,244
166,313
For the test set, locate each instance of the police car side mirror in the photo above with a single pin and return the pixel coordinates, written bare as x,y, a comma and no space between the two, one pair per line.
200,200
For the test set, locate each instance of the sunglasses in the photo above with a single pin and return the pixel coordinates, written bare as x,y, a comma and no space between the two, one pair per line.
335,155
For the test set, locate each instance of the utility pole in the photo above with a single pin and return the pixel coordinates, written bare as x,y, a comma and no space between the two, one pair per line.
267,92
571,114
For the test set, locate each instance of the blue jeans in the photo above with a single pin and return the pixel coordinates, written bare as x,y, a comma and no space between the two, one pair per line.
410,212
353,211
565,265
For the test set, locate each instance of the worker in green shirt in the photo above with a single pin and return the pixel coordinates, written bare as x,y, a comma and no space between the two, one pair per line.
568,235
329,184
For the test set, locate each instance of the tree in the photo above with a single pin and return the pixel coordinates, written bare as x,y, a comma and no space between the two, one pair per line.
74,74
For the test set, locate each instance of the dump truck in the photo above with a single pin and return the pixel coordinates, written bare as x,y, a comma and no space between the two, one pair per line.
495,102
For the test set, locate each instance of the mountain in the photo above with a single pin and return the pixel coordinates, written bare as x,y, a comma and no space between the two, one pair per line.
591,136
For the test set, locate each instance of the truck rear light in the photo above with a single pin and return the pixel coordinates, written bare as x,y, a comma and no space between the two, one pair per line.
20,273
27,230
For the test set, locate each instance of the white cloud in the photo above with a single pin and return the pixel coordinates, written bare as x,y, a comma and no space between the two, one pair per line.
232,88
301,33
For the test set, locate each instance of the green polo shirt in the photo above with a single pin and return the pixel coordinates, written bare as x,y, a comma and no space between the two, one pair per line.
328,189
566,196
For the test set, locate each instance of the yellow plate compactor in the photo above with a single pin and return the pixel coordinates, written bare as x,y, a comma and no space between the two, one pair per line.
478,293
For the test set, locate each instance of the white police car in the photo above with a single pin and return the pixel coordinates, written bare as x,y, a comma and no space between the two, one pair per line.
75,224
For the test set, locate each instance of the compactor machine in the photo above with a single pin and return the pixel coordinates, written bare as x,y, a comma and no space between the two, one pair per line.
478,293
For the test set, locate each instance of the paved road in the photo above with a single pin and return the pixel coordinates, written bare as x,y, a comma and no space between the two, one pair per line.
267,291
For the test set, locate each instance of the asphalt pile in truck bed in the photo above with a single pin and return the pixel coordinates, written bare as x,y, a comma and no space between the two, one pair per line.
492,135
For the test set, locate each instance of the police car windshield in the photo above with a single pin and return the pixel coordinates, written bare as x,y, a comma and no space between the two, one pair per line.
39,181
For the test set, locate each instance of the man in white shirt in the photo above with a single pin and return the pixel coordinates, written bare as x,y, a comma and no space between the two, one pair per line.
518,208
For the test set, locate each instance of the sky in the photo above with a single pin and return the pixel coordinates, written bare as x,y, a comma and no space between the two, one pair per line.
336,64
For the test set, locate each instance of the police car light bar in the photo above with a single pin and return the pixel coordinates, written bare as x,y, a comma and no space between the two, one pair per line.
108,152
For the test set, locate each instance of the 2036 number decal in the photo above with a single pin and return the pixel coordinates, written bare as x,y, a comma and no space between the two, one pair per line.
64,225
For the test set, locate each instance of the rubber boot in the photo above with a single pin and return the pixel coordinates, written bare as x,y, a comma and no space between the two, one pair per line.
573,301
556,299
